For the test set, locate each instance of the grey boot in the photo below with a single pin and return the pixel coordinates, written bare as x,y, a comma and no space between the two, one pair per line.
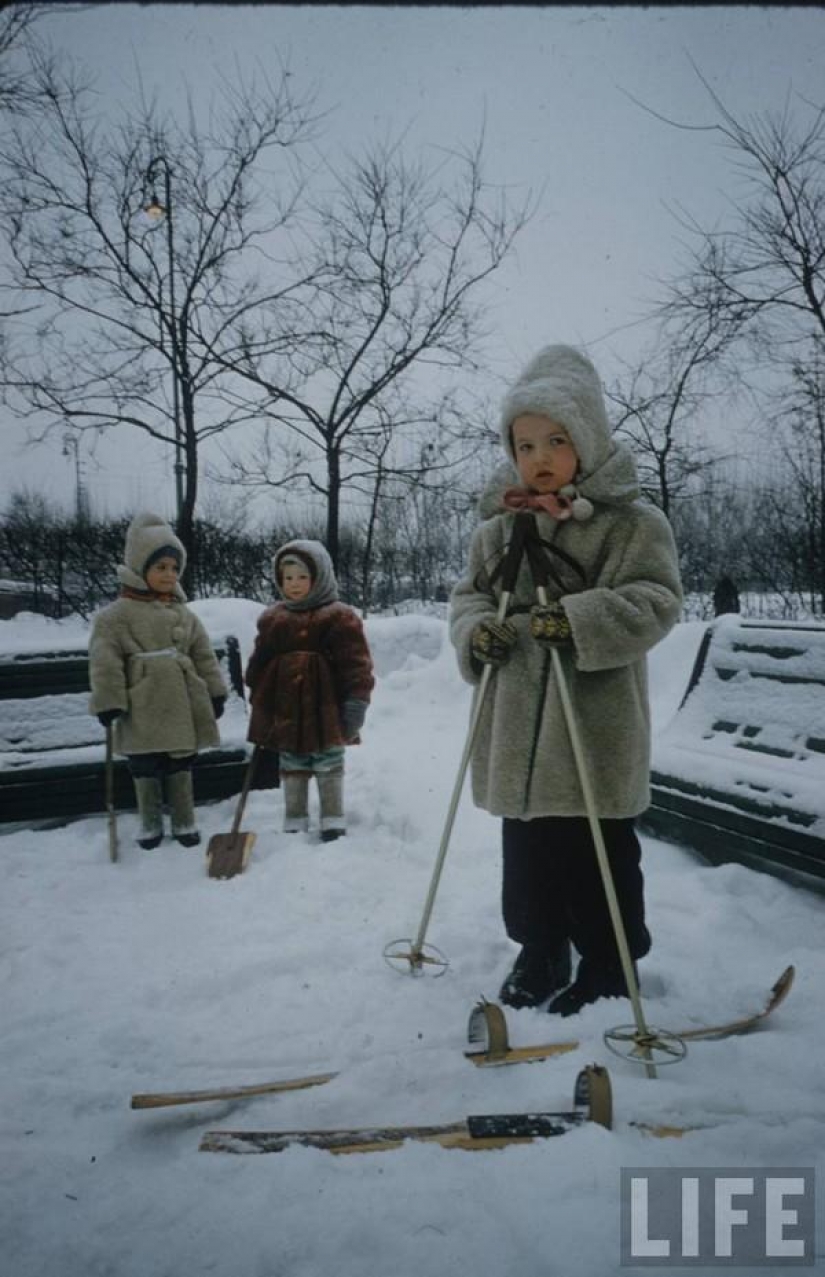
182,807
296,810
331,794
150,810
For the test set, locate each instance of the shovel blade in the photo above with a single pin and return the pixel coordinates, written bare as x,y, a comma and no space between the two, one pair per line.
227,854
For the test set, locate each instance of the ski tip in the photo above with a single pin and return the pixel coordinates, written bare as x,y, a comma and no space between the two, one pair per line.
783,985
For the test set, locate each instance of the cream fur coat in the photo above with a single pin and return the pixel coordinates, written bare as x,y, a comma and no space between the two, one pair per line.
154,660
625,598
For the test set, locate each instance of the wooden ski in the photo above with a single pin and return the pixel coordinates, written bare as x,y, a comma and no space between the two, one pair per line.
487,1030
592,1102
778,994
165,1099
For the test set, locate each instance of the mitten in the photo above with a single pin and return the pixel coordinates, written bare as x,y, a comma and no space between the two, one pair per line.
108,716
549,625
492,641
218,703
353,714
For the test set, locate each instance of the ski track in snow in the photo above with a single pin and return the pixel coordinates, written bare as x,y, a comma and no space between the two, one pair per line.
147,976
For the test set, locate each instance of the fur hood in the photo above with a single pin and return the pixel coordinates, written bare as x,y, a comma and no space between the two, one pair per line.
562,384
146,534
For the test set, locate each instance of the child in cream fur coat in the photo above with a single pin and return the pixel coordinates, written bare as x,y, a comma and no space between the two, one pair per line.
154,675
614,592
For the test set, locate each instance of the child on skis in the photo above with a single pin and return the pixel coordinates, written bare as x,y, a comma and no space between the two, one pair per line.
153,674
614,592
311,677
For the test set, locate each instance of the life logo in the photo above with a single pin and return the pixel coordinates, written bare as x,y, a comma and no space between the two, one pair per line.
723,1217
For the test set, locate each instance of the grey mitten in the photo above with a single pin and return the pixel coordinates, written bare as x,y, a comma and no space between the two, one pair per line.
353,714
549,625
492,642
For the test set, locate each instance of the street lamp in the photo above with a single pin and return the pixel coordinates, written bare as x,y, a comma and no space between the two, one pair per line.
157,211
71,443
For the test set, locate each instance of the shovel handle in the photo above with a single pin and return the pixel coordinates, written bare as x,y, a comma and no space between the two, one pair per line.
247,781
109,786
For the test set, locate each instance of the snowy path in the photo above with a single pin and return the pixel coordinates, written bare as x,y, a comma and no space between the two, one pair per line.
147,976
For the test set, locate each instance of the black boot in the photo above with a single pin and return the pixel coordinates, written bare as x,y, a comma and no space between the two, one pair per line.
149,844
593,981
537,973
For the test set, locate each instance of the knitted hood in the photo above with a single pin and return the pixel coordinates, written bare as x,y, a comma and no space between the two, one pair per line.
562,384
146,534
324,585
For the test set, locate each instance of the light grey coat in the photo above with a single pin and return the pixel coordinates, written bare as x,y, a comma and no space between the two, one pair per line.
630,597
154,660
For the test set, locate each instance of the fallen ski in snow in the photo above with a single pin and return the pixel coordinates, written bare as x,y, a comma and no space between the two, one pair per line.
778,994
592,1102
487,1030
164,1099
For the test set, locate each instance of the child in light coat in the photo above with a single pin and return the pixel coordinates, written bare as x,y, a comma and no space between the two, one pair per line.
155,676
311,677
614,592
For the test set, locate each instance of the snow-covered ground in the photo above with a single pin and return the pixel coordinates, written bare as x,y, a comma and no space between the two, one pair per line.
147,976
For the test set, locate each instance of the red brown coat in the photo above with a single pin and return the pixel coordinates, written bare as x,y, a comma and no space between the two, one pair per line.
305,664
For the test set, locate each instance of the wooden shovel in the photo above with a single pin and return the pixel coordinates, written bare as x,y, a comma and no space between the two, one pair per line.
227,854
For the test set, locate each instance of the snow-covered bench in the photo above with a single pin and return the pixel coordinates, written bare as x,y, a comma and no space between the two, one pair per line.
739,772
52,748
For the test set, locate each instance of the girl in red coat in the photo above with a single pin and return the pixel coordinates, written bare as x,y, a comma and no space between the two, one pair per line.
311,677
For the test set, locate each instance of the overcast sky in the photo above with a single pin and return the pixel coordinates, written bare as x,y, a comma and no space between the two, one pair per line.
552,87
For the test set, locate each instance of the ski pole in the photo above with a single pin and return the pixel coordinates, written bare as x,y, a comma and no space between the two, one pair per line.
415,956
601,855
644,1037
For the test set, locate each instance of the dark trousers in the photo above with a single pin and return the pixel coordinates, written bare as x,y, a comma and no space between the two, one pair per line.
552,889
156,766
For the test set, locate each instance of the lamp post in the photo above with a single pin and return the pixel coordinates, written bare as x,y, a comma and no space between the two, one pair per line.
157,211
71,443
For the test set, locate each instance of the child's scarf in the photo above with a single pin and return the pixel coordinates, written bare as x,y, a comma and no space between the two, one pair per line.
557,507
146,596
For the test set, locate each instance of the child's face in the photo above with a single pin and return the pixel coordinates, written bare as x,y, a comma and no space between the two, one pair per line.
163,575
296,582
545,457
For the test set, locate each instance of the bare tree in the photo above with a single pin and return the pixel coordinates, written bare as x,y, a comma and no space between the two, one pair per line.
765,270
131,317
398,252
662,400
802,411
761,276
19,91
